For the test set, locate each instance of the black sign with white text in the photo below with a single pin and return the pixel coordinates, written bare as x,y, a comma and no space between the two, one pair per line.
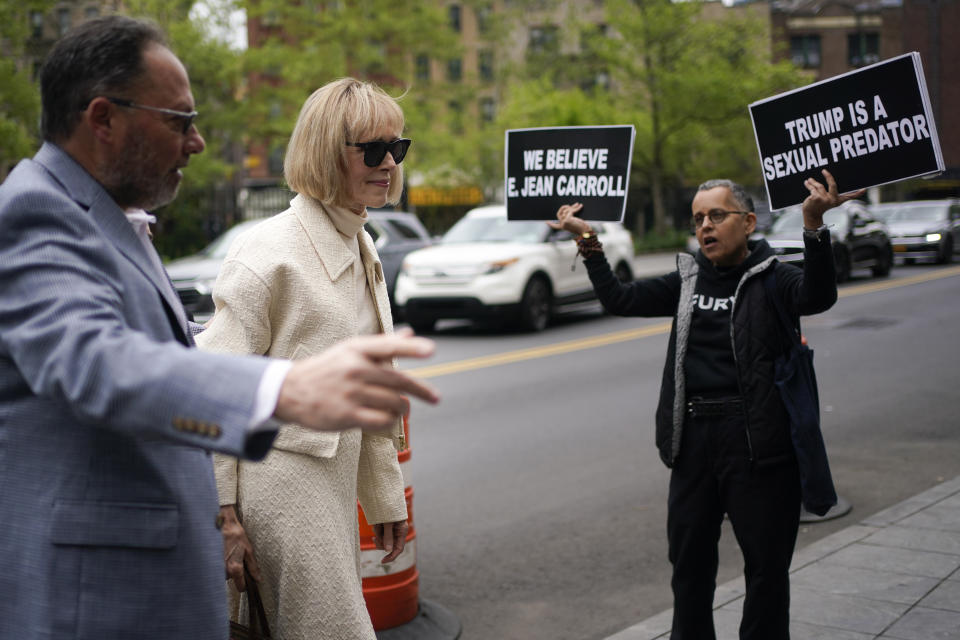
867,127
549,167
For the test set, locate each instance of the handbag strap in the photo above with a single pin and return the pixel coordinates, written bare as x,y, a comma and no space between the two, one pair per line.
792,327
256,604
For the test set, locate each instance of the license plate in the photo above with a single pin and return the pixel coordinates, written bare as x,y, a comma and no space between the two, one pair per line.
899,247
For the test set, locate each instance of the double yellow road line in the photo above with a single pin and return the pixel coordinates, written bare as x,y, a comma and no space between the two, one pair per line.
508,357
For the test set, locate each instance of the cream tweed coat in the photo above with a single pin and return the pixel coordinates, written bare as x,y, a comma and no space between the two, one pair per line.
287,290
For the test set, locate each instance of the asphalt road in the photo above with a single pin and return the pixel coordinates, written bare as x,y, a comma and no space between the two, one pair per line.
539,498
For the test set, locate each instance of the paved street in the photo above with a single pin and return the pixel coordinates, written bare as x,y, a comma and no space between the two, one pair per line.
540,500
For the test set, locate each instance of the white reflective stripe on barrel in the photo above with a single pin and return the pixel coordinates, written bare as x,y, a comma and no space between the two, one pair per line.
370,566
407,471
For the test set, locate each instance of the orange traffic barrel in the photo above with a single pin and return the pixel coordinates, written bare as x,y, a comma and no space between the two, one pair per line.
391,590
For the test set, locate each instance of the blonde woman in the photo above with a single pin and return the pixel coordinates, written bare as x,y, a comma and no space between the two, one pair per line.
290,287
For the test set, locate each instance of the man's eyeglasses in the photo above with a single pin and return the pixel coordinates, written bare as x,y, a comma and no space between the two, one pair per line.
185,118
716,216
374,152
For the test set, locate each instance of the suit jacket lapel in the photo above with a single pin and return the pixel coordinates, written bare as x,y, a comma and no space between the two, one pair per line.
331,249
337,257
90,195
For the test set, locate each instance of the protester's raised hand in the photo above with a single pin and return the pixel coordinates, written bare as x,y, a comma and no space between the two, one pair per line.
353,384
821,199
567,219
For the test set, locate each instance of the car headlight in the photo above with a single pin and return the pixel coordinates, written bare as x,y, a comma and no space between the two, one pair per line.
499,265
933,237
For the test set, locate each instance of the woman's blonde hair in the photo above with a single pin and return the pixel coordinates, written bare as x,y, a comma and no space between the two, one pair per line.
345,110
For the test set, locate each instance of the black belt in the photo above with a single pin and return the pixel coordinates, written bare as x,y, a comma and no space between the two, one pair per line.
715,407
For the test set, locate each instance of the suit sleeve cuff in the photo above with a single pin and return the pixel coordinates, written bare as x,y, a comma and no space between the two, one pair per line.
268,392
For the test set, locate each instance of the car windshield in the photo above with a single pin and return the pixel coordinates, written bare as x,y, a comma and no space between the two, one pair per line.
928,213
495,229
883,212
791,220
219,247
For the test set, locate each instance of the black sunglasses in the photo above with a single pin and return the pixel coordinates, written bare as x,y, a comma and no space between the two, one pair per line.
185,118
374,152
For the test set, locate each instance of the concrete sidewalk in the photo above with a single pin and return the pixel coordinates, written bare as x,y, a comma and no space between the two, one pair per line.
894,575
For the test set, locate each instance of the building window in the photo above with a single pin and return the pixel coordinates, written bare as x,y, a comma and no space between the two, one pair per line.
422,70
805,51
484,13
91,12
454,70
863,49
455,111
36,24
275,160
488,109
486,65
543,39
63,20
455,22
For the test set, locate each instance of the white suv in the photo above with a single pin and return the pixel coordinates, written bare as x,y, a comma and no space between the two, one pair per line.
488,268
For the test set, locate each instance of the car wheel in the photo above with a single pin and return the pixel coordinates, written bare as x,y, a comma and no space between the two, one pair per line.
535,305
421,324
623,273
947,254
884,262
841,261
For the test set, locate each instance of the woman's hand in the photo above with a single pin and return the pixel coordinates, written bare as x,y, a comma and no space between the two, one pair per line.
237,549
820,200
567,220
392,538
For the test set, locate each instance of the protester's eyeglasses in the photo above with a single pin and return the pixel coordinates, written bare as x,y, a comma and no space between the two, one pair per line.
374,152
716,217
185,118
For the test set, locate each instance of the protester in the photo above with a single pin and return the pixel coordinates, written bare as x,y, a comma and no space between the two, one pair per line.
107,496
721,425
290,287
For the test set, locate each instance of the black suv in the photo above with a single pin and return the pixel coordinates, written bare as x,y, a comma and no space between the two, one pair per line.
859,240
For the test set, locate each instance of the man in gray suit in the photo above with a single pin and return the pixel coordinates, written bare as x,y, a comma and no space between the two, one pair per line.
108,509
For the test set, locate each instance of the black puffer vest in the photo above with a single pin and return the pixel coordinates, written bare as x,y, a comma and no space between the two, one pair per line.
756,340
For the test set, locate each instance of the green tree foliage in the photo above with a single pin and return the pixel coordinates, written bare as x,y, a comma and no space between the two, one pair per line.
309,43
205,204
685,81
681,77
19,98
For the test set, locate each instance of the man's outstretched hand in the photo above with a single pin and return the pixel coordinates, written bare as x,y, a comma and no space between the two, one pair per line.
353,384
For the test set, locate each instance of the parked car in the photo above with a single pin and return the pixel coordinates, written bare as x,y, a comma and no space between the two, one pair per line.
395,233
488,268
922,229
859,240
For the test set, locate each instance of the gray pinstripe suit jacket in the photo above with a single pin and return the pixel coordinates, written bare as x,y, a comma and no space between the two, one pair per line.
107,496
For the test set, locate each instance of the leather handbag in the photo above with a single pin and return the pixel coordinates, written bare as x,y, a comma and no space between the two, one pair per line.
797,383
258,629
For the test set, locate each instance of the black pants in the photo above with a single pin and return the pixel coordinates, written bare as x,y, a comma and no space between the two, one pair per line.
713,476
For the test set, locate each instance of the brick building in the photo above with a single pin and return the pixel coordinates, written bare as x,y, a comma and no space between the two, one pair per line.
830,37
